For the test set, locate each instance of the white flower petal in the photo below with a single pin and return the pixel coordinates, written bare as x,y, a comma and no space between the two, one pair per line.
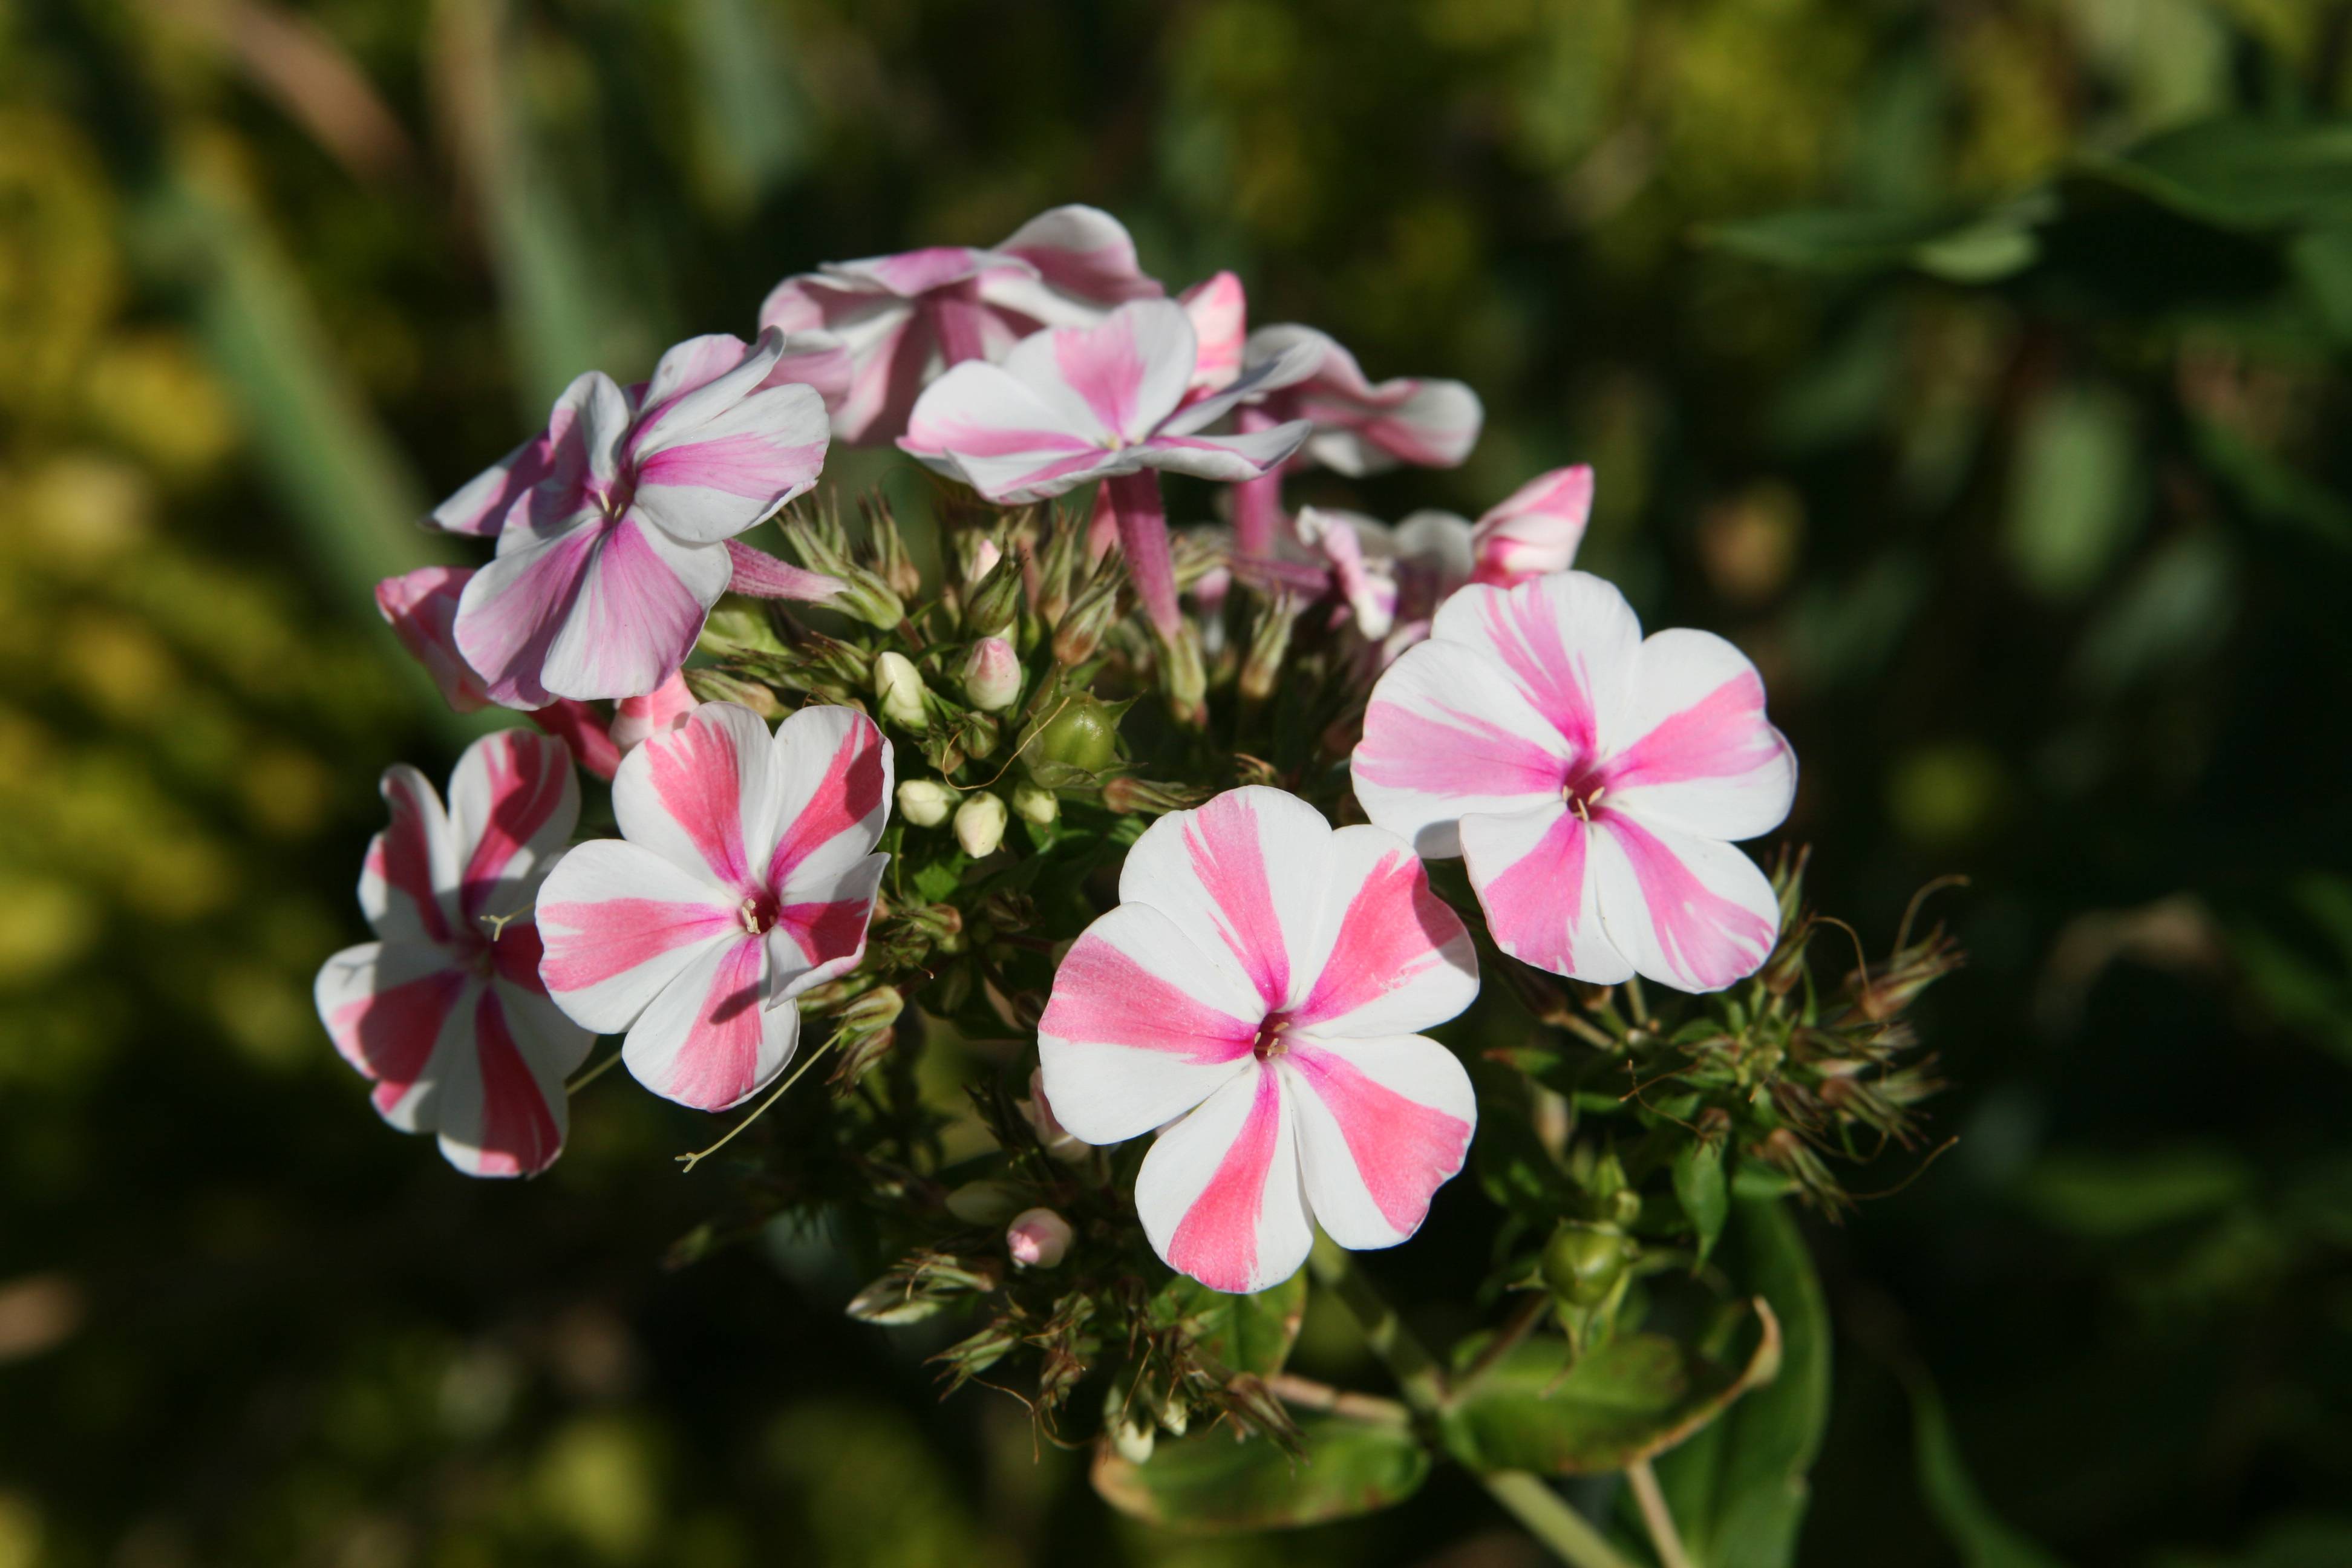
514,800
618,923
1567,643
408,881
1691,912
1701,755
1248,873
705,796
1390,956
1535,877
1446,733
708,1040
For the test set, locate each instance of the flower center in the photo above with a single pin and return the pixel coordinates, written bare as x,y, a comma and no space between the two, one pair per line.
1270,1042
1582,790
757,913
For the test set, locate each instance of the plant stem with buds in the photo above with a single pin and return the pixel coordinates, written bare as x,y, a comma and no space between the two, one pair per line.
1531,1500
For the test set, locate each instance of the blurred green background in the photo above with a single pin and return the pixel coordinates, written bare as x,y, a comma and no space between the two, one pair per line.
2006,439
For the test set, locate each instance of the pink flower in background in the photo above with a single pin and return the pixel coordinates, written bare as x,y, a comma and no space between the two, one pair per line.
1360,426
1536,528
1219,313
444,1012
1256,993
422,609
905,319
1081,404
1592,780
636,720
606,568
745,874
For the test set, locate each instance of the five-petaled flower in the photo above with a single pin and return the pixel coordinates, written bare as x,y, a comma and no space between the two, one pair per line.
746,873
1079,403
906,318
445,1011
1591,779
612,525
1259,986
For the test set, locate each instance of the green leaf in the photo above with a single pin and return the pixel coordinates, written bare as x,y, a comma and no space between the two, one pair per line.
1212,1481
2247,175
1964,247
1981,1538
1700,1188
1638,1394
1737,1489
2075,489
2114,1196
1244,1333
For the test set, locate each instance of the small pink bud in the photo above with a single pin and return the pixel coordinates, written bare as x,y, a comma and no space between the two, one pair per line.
991,674
1535,529
636,720
1038,1238
1051,1134
985,557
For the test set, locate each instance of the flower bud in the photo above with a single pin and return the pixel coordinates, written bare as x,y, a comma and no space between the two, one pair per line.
1182,677
1535,529
925,802
980,824
901,687
993,601
1038,1238
717,686
1126,794
1031,804
992,674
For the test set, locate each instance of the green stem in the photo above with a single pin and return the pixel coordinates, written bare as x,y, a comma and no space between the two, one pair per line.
1545,1514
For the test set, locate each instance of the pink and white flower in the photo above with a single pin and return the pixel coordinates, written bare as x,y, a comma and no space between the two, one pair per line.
636,720
905,319
745,874
1592,780
1536,528
609,560
445,1011
1080,404
1256,994
1361,426
420,607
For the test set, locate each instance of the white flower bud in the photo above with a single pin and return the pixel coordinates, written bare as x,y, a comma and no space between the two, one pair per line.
900,687
925,802
991,674
985,557
980,824
1038,1238
1031,804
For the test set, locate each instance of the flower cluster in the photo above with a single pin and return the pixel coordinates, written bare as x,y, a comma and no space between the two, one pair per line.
1153,825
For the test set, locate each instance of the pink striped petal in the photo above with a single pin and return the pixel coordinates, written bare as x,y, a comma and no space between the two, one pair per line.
1219,309
1703,757
387,1005
1361,426
1445,734
1130,371
1382,1124
998,429
481,505
1371,596
1219,1192
408,881
1535,879
640,605
1691,912
1228,459
760,575
421,610
502,1109
1392,956
1567,642
636,720
1144,1024
1082,252
704,797
513,802
820,933
618,924
834,771
818,360
1245,875
727,454
1536,528
584,732
708,1040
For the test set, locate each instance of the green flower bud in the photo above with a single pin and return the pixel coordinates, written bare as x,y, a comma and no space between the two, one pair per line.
900,689
1031,804
980,824
1083,735
925,802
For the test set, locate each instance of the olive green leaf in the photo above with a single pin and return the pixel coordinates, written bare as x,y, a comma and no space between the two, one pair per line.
1636,1395
1213,1480
1244,1333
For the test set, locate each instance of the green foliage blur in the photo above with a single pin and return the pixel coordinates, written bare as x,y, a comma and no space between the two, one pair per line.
1916,348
